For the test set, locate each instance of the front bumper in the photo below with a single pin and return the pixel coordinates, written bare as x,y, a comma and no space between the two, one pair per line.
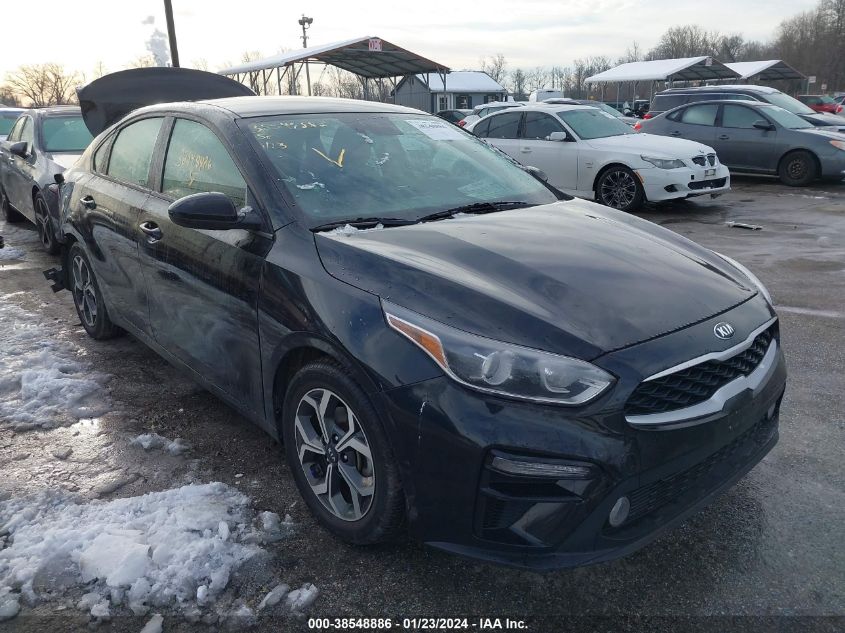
460,502
684,182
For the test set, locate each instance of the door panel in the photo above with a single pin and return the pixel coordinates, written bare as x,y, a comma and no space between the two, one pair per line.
203,285
558,159
740,145
20,171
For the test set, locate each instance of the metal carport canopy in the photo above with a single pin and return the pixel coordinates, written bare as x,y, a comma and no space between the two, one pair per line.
353,55
684,69
770,70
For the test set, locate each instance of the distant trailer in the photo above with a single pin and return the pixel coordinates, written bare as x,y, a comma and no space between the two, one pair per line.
542,95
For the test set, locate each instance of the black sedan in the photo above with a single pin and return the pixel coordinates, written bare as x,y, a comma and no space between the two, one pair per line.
440,340
757,138
42,142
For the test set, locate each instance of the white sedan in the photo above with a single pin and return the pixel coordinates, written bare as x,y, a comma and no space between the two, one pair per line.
591,154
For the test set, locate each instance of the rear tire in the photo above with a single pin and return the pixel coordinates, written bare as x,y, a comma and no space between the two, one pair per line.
798,169
9,214
87,297
44,224
340,457
618,187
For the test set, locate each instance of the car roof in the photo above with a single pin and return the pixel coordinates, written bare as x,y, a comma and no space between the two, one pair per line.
733,87
266,106
54,110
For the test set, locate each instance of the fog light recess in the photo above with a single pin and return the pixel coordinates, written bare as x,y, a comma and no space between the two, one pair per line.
540,468
619,512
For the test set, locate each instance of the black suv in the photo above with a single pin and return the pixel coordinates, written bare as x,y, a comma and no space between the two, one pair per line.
674,97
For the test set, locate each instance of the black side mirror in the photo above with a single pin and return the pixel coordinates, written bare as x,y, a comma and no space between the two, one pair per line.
764,125
21,149
59,179
539,174
212,211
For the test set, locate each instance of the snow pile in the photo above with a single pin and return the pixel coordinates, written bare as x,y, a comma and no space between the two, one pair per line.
300,599
42,380
176,548
9,253
149,441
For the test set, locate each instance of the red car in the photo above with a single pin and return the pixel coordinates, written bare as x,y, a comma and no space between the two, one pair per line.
821,103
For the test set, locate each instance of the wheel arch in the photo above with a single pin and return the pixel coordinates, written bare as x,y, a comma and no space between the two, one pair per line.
792,150
605,168
294,353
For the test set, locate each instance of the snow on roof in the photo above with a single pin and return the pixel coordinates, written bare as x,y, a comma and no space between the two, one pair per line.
356,55
684,69
767,70
463,81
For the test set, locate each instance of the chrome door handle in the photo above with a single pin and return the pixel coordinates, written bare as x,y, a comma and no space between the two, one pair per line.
724,137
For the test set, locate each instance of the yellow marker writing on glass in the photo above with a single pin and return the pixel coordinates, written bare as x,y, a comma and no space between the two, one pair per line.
338,162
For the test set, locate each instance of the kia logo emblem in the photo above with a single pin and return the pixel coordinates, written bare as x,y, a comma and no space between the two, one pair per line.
723,330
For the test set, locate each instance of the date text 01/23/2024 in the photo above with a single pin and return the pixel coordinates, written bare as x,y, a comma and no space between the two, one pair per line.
417,624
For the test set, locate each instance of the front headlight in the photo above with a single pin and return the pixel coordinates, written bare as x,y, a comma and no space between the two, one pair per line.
501,368
751,277
664,163
838,144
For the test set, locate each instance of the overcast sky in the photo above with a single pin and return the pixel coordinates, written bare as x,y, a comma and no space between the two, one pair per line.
456,34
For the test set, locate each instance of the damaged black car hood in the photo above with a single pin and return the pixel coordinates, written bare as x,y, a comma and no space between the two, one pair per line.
571,277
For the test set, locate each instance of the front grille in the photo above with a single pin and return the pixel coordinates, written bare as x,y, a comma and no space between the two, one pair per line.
708,184
655,495
701,161
698,383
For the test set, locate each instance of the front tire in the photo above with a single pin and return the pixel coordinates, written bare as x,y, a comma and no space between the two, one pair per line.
340,457
87,296
44,224
798,169
9,214
619,187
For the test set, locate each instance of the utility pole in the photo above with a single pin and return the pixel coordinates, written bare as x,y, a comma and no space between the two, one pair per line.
171,34
305,23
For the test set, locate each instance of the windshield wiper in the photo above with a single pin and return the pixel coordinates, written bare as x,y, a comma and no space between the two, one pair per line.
475,207
359,223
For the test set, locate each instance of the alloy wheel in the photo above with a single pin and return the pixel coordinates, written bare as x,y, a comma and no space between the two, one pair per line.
618,189
42,219
334,454
84,294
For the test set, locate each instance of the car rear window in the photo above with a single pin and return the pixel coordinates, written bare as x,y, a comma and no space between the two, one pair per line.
65,134
703,114
661,103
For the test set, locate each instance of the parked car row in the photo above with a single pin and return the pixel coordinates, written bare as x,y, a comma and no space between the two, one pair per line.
443,341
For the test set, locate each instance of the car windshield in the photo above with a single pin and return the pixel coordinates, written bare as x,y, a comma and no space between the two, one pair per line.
65,134
616,114
589,123
788,103
785,118
343,166
6,123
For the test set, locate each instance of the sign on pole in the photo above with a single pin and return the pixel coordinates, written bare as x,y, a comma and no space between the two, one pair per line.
811,79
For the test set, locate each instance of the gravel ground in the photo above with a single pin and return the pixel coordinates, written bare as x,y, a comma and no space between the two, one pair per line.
771,547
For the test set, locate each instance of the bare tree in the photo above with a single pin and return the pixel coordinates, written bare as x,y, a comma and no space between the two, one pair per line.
44,84
536,79
518,84
8,97
496,66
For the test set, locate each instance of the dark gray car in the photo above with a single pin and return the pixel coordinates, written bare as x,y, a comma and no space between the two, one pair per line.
42,143
758,138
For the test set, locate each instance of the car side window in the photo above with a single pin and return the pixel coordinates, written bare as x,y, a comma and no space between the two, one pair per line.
101,156
482,128
27,132
505,125
132,152
538,125
15,133
197,161
704,114
737,116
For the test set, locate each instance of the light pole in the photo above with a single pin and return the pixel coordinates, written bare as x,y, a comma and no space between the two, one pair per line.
171,34
305,23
